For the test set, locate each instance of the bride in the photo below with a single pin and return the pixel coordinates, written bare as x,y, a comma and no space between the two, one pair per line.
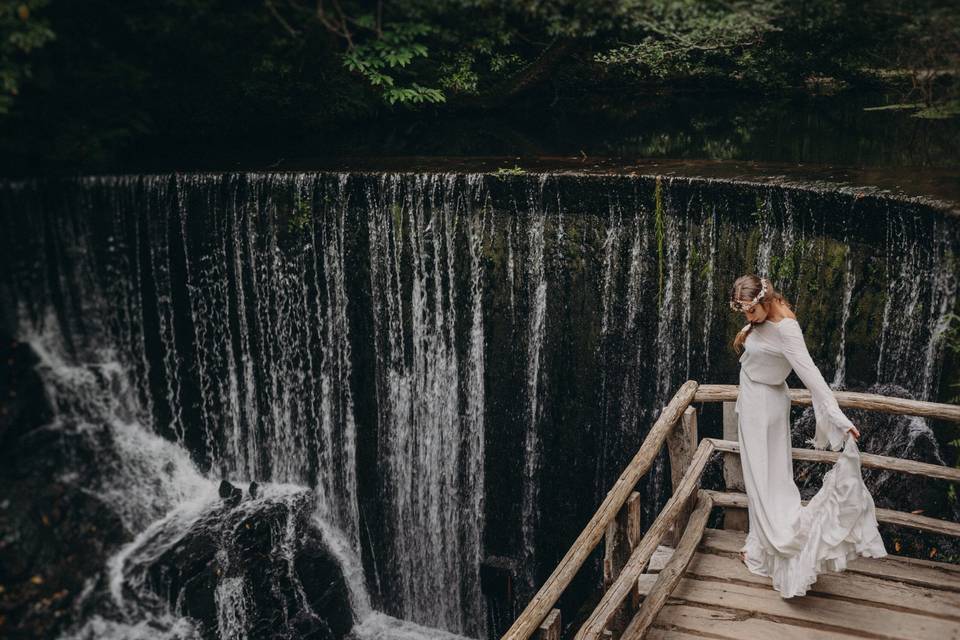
787,541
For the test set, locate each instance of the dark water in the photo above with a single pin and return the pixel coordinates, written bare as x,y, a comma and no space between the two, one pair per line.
833,131
451,366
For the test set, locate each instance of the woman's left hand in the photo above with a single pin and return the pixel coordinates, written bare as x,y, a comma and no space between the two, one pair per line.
855,433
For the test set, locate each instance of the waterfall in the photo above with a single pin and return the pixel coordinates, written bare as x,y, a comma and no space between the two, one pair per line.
425,373
921,291
536,328
848,282
428,434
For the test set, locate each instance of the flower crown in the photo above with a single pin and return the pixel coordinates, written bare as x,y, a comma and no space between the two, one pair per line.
736,305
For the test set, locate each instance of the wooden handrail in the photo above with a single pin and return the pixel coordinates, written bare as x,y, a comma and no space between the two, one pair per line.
621,588
670,575
550,592
869,460
851,399
889,516
583,546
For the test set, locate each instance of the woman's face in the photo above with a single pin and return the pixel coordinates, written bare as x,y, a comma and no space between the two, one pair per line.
756,313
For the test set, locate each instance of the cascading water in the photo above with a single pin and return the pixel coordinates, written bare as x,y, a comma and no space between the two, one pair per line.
429,401
421,372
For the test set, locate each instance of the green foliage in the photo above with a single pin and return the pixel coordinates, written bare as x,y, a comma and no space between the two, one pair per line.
515,170
394,47
691,37
174,72
941,111
21,32
300,216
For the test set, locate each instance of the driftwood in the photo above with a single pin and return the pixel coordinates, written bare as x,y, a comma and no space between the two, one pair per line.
671,574
626,583
538,607
851,399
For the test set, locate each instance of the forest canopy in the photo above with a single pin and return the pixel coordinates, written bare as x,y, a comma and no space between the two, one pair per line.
84,80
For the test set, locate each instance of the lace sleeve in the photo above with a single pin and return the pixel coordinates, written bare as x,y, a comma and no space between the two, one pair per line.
832,424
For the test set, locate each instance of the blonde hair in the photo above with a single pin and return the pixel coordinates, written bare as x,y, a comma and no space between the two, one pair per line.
746,288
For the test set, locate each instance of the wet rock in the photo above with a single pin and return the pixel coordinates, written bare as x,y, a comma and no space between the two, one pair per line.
254,488
260,568
230,494
889,435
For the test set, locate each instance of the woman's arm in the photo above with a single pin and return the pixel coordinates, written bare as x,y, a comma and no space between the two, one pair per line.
832,424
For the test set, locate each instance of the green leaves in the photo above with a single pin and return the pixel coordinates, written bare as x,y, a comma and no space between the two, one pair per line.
691,38
414,94
388,51
21,32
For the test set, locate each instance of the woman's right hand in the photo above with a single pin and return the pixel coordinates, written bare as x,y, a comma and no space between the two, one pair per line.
854,432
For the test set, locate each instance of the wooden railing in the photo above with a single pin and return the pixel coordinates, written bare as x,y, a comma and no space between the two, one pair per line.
685,514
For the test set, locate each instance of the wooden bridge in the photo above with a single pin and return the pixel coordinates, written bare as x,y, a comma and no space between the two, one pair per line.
684,580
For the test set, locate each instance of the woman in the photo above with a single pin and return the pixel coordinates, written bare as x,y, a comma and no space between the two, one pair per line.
789,542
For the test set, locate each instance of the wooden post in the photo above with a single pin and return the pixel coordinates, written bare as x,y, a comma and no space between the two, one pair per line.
733,518
621,538
627,583
549,629
681,443
671,574
544,600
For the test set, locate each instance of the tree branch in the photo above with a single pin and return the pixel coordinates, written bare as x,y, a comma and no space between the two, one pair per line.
280,19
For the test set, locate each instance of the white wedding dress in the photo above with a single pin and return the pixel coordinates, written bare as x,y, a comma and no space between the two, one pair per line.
789,542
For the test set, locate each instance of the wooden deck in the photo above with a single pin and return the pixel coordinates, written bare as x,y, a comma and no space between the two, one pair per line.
892,597
680,579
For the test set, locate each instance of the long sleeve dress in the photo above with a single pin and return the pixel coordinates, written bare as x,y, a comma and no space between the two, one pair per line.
788,542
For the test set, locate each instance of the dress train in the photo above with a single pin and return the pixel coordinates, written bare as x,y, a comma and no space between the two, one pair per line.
836,526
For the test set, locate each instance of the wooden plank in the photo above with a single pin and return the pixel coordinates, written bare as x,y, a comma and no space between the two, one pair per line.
659,559
673,571
925,573
671,634
826,613
688,622
854,586
868,460
681,443
550,629
583,546
625,585
851,399
889,516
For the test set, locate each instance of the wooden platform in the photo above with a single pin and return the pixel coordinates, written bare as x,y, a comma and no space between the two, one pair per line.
697,586
892,597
